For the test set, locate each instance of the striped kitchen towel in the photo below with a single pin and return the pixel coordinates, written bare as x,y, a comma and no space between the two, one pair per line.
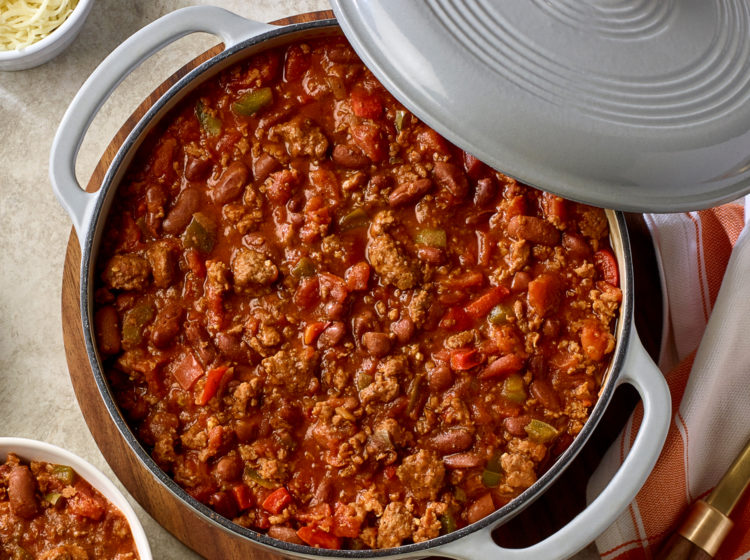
705,355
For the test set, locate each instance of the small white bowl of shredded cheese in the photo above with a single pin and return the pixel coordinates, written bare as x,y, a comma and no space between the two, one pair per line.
33,32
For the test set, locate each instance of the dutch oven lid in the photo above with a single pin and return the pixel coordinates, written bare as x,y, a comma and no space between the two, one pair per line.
628,104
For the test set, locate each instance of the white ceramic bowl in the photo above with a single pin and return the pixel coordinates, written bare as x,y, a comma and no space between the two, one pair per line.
32,450
53,44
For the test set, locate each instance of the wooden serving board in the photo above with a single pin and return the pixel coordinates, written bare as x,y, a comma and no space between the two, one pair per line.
559,504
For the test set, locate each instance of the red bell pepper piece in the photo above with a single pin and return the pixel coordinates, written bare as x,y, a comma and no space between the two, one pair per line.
243,496
318,538
463,359
213,380
484,303
277,501
504,365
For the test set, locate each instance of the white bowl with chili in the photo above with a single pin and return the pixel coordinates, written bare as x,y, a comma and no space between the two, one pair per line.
42,484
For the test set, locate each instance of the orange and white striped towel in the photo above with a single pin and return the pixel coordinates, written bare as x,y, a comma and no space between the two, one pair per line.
705,355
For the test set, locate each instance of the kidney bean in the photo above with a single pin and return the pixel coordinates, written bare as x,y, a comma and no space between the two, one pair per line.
485,192
22,492
197,169
224,504
229,468
362,322
452,178
403,329
452,440
409,192
166,325
231,183
440,378
347,156
576,245
332,335
377,344
284,534
515,425
533,229
188,202
334,310
473,167
480,508
264,165
246,429
545,394
462,461
107,328
230,346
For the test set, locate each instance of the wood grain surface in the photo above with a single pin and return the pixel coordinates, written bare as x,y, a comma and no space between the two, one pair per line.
559,504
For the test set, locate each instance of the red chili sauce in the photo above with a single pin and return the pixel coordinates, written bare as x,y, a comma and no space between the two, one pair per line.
48,512
328,323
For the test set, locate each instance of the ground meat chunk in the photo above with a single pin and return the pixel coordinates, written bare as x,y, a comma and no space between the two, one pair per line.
252,268
126,272
394,526
423,474
429,524
385,387
419,307
593,223
518,469
287,369
302,138
390,262
162,258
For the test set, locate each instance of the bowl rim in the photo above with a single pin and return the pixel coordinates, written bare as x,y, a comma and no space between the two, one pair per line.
71,23
36,450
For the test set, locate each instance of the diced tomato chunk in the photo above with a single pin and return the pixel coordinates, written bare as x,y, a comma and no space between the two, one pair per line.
365,104
307,293
188,371
332,287
277,500
318,538
370,140
544,293
594,340
86,504
357,276
345,522
462,359
606,265
195,263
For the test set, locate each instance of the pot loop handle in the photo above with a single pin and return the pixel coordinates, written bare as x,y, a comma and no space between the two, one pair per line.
79,204
641,372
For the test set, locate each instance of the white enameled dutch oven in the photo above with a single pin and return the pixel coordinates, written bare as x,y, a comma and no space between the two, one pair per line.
88,211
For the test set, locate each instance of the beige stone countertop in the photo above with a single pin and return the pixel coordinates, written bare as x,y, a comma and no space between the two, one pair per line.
36,395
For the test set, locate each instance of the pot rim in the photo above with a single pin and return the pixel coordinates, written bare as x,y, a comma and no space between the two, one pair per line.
204,71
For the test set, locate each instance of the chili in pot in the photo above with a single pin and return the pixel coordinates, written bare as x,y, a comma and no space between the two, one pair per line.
328,323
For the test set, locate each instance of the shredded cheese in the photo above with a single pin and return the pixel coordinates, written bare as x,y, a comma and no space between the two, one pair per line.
24,22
